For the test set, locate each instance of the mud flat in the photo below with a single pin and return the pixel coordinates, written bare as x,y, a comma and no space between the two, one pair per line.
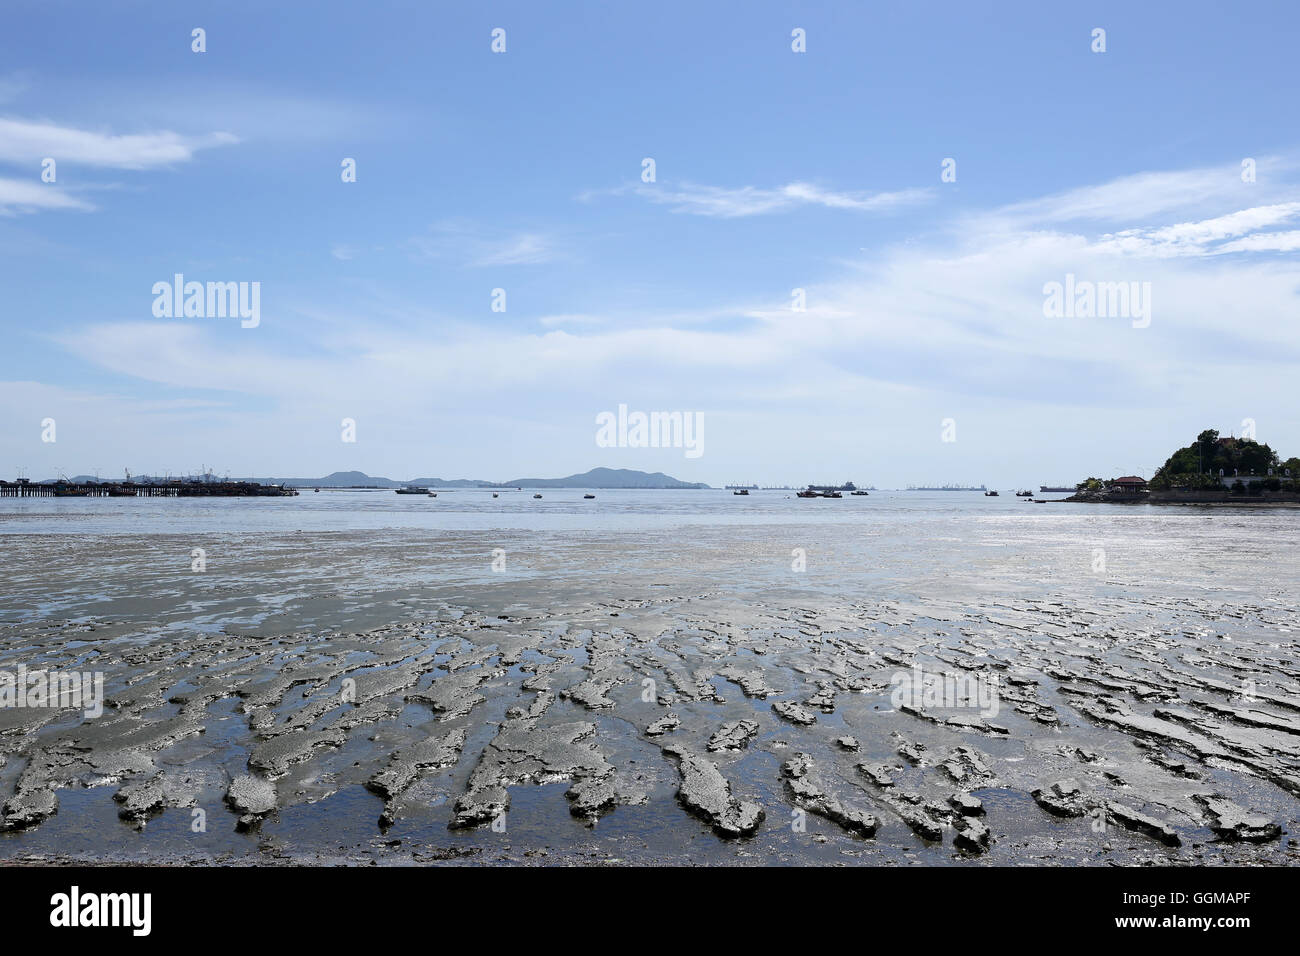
388,697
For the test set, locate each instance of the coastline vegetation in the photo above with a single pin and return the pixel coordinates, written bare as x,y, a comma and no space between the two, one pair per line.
1206,462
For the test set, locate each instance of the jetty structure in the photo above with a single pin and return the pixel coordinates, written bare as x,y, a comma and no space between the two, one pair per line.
205,487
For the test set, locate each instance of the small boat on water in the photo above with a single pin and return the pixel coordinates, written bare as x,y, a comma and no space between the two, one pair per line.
742,491
990,494
588,496
412,490
1024,494
859,492
433,494
537,496
495,495
317,490
807,494
831,494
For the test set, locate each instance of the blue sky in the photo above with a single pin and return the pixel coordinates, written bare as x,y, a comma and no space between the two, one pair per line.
775,170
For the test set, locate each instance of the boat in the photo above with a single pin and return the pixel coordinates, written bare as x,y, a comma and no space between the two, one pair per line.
859,492
1024,494
808,494
537,496
412,490
831,494
588,496
990,494
495,495
433,494
742,491
317,490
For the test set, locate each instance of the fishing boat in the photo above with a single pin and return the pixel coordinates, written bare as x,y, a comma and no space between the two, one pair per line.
537,496
742,491
495,495
831,494
990,494
808,494
433,494
412,490
859,493
1024,494
588,496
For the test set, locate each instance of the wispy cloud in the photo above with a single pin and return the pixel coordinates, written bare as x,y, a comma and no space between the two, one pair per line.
1206,236
26,196
734,203
524,249
950,320
475,249
1146,195
25,141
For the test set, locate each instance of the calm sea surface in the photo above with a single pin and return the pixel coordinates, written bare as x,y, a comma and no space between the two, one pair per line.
557,510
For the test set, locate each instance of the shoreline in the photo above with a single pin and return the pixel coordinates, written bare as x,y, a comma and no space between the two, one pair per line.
1217,503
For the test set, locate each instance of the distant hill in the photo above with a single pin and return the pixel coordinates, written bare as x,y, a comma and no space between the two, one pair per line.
596,478
607,478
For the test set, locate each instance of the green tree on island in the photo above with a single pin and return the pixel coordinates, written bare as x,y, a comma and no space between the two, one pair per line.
1199,464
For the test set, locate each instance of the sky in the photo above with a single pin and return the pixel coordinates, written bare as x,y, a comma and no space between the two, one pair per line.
922,173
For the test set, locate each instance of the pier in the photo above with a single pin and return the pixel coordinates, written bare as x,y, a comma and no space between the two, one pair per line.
24,488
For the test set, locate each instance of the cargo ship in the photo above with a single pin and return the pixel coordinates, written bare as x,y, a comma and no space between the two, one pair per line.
847,486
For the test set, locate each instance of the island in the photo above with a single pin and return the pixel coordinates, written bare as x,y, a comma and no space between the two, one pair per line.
1212,470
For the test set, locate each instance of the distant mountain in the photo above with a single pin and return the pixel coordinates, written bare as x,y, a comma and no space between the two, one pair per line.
596,478
607,478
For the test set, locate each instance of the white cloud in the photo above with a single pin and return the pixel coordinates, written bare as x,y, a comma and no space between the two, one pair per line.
1264,242
469,244
734,203
949,325
23,141
524,249
20,196
1198,238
